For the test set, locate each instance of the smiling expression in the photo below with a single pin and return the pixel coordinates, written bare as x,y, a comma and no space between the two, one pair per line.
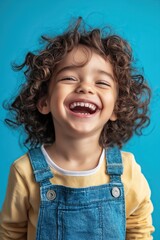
82,93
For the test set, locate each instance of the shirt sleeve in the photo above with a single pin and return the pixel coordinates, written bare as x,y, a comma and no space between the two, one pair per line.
13,218
138,219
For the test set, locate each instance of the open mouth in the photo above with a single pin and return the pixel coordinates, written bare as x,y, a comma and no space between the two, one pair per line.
84,108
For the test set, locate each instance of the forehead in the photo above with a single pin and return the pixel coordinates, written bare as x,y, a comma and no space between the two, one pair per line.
81,55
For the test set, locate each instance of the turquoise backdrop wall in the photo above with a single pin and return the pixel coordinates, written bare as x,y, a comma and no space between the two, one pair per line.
21,24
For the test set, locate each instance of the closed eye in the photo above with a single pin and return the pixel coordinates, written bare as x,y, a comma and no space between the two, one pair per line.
103,83
68,79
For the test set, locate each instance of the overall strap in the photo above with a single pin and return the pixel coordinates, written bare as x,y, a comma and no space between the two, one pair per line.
40,167
114,163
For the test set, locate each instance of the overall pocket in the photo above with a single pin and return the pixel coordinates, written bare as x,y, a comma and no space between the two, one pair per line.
80,223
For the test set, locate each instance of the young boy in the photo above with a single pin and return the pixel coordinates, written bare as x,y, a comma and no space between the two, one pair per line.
81,102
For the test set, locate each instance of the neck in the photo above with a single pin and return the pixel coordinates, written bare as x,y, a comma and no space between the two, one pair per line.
75,154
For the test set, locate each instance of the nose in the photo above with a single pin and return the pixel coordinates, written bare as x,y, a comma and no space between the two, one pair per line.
85,88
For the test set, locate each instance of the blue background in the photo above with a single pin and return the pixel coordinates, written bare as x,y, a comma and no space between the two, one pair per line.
21,24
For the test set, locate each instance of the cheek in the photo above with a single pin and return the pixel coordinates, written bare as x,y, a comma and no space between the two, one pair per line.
61,91
61,95
56,95
110,99
57,100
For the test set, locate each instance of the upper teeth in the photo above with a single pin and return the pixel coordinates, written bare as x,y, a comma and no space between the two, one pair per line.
83,104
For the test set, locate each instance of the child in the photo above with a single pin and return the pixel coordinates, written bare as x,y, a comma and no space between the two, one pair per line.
82,100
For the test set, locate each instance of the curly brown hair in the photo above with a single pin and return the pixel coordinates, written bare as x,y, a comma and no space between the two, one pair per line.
134,94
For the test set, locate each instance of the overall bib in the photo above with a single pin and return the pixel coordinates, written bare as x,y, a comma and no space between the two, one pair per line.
96,212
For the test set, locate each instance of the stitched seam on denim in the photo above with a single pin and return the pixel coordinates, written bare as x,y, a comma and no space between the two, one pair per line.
124,212
101,222
42,170
85,204
39,225
114,164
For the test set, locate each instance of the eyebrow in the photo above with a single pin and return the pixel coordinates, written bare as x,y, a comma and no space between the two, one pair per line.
74,67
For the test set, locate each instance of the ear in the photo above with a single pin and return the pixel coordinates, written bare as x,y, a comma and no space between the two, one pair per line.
113,117
43,106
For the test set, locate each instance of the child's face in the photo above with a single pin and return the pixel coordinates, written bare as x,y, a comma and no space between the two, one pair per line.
81,98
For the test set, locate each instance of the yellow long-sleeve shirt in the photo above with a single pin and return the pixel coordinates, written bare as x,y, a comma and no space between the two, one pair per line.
19,215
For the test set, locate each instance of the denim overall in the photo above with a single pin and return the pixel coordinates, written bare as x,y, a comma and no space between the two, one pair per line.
95,213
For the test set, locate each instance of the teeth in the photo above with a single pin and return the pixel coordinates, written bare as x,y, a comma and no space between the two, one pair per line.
86,104
82,104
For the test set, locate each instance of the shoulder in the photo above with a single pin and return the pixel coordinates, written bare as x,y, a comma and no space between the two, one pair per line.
22,163
127,156
23,190
129,164
22,168
133,178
